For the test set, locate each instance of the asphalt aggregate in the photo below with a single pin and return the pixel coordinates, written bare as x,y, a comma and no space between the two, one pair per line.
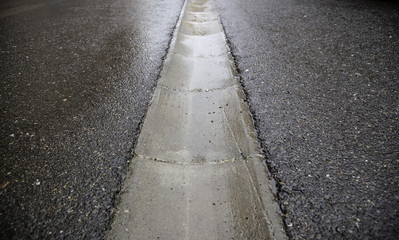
321,79
76,81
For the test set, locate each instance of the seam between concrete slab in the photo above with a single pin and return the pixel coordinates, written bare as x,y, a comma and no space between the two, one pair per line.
237,87
196,57
215,162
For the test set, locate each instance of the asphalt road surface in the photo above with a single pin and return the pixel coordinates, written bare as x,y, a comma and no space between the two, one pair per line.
76,80
322,80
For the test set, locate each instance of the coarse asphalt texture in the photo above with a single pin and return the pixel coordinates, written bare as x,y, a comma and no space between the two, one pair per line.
322,82
76,80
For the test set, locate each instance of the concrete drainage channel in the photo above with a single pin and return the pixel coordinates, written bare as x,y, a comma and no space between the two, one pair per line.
197,171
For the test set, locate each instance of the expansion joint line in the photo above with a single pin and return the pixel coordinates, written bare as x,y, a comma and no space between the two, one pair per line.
197,89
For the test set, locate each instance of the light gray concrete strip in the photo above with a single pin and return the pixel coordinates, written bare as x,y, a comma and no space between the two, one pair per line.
199,46
192,74
200,28
196,127
200,16
201,7
190,202
198,171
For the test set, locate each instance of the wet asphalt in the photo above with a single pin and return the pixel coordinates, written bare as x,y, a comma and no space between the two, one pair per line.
321,79
76,81
322,82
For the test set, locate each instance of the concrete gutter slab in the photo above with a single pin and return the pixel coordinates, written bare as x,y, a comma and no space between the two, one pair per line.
192,74
213,198
200,7
196,127
200,46
200,28
198,172
200,16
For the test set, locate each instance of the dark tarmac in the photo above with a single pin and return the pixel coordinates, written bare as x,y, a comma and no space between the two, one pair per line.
76,81
322,82
321,78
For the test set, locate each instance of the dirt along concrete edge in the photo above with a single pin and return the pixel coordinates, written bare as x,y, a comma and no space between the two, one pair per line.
198,172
